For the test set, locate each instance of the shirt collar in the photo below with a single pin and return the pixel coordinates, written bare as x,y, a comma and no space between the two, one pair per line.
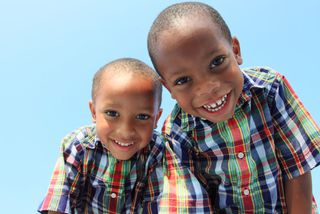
189,122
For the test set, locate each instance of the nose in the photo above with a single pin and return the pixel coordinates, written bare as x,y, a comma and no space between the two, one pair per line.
127,130
206,85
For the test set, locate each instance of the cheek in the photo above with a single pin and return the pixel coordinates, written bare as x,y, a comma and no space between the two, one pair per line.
103,129
180,97
146,132
240,81
186,104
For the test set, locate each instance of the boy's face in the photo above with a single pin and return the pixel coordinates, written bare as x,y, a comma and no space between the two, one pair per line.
125,112
200,68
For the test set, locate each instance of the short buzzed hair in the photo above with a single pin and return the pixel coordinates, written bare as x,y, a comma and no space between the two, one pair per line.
127,65
169,16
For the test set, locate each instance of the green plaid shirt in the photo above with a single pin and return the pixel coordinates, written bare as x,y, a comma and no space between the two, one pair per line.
271,138
88,179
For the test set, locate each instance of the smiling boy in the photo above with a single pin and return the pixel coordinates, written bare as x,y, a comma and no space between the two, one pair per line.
247,126
126,110
120,164
102,168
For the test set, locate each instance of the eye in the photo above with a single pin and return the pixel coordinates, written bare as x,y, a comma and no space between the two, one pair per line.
143,117
112,114
217,61
182,80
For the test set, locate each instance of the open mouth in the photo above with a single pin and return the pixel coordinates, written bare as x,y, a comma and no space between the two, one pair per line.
217,105
122,144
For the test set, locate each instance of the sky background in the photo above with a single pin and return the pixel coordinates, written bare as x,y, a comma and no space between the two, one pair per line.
50,50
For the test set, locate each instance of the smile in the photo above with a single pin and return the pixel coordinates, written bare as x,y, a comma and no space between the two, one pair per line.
216,106
123,144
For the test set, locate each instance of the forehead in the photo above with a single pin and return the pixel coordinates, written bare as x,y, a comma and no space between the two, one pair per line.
189,25
191,41
126,84
183,32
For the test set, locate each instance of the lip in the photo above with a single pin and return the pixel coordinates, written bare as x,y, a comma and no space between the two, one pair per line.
222,108
127,147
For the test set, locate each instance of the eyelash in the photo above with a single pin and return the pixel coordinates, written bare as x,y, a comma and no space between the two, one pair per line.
143,117
182,80
116,114
112,113
217,61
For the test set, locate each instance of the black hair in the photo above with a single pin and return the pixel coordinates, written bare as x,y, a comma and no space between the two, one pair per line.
168,19
129,65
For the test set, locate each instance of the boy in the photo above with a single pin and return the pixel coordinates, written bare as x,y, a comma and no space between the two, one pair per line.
116,165
248,127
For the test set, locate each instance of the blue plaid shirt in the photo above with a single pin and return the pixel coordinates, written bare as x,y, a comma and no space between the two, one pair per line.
88,179
270,138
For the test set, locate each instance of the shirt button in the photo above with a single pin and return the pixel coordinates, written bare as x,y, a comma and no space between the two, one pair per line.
246,192
240,155
113,195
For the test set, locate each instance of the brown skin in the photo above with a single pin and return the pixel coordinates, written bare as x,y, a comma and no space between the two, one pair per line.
125,111
199,66
299,194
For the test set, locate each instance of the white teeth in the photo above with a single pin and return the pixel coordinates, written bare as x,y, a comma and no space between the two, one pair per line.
123,144
217,105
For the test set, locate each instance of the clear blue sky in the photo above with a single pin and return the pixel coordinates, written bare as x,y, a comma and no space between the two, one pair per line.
49,51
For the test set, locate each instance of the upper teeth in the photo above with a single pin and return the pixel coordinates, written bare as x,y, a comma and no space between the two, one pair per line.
217,105
123,144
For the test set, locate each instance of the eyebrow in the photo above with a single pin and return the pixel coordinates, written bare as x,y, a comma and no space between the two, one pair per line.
212,52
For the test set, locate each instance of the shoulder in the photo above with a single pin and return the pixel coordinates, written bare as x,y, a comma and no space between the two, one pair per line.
262,79
76,142
155,148
262,75
176,120
84,135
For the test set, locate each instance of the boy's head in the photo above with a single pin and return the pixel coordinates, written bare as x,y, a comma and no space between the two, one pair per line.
125,105
192,50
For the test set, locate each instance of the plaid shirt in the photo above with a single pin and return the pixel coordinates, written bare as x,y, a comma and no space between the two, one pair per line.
270,138
88,179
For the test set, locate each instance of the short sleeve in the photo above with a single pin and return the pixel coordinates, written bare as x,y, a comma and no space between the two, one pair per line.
63,189
296,135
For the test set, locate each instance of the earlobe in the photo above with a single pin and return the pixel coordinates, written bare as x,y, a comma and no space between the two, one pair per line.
93,111
157,118
236,50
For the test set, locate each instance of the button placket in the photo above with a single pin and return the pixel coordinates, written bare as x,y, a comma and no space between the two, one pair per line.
240,155
113,195
246,192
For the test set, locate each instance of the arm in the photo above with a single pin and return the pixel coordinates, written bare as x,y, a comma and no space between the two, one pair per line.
297,138
58,195
298,193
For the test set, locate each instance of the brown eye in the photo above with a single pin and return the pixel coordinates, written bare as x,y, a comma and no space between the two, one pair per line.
182,80
143,117
112,114
217,61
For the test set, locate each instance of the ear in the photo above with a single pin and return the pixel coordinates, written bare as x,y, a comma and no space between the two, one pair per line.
236,50
157,117
93,111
